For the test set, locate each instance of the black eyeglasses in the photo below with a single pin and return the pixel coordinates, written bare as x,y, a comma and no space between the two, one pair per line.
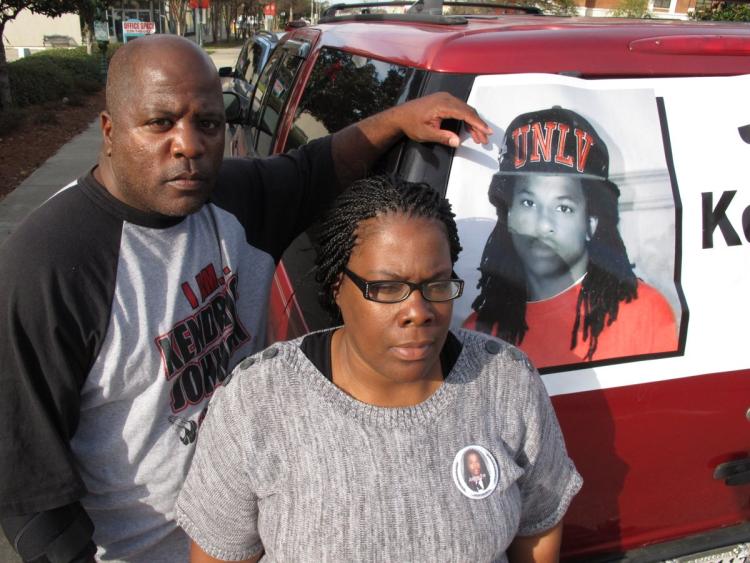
392,291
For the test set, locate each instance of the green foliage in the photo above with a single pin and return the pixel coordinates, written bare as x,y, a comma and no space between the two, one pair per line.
84,69
724,11
9,8
34,80
52,75
112,49
631,9
558,7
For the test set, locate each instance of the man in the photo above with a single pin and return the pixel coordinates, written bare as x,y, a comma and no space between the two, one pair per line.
556,279
131,294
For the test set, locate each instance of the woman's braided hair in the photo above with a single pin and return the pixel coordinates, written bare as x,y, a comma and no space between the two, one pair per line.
336,235
609,277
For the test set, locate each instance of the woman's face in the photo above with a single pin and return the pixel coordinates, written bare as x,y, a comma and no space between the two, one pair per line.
474,465
396,342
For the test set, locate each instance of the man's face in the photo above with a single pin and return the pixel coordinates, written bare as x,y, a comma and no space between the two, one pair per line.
550,228
167,137
475,466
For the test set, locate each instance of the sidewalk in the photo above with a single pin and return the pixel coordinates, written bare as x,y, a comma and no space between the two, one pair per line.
71,161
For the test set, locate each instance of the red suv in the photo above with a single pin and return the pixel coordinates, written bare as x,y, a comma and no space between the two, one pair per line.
656,417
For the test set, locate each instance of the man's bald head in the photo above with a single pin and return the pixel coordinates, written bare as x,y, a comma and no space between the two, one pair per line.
138,56
163,130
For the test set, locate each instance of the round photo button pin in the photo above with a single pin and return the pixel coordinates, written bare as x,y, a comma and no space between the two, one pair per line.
475,472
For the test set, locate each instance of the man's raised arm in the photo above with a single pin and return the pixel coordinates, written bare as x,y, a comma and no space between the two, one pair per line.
357,147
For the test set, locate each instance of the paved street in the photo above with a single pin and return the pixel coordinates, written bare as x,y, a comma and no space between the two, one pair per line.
224,56
73,160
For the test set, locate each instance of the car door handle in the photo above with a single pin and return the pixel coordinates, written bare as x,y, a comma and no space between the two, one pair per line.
734,473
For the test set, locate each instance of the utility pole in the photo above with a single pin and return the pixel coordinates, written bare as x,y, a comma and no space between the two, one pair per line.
198,25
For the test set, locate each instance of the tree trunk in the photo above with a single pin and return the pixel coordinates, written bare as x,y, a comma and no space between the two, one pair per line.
227,16
215,10
177,14
88,37
6,100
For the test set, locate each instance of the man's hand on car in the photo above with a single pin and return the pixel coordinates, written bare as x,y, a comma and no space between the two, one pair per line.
420,119
357,147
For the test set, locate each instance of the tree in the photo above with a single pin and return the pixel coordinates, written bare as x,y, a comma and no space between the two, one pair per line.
9,10
90,11
178,14
215,19
230,10
559,7
724,11
631,9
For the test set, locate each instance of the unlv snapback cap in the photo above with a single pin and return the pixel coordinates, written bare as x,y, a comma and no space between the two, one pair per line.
554,141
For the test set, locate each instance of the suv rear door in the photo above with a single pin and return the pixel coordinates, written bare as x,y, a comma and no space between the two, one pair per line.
647,452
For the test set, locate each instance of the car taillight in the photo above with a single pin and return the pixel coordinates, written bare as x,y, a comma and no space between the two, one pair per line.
725,45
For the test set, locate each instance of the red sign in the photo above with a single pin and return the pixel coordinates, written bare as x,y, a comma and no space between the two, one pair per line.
269,9
138,27
199,4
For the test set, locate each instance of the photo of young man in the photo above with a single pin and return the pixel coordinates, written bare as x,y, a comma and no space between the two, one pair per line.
555,277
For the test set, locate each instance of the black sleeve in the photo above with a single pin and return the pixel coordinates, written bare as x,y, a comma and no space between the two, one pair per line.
277,198
60,535
57,280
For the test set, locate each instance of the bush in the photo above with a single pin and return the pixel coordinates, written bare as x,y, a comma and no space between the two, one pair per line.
631,9
34,80
112,49
53,74
724,11
84,69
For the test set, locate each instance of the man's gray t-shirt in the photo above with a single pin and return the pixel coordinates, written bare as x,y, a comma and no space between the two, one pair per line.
290,464
119,324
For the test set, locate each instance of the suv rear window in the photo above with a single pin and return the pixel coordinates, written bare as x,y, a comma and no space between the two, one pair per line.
344,88
275,100
252,64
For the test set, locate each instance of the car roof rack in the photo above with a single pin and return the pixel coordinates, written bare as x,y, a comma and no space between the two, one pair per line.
421,11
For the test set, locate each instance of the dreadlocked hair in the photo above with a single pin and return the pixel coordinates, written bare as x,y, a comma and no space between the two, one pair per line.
609,280
336,235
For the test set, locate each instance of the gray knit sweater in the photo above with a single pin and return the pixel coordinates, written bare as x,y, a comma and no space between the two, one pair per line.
290,464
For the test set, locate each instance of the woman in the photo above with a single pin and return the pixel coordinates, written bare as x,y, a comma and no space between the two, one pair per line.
348,444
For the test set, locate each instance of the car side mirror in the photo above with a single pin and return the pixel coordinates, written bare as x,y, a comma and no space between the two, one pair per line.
232,107
226,71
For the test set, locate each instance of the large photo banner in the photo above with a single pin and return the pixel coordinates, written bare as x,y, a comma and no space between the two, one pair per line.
588,220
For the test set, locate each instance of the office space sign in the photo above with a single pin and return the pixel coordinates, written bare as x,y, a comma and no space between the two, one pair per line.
136,28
